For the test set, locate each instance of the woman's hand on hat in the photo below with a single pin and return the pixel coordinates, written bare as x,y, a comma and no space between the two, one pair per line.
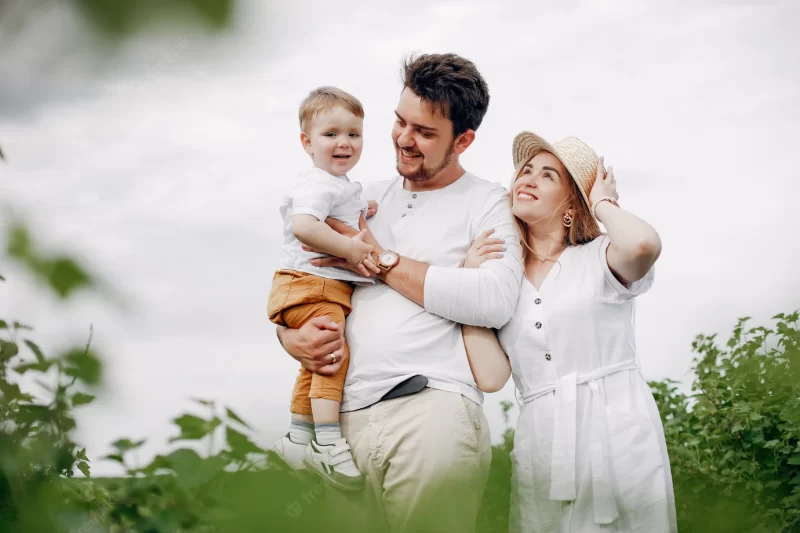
484,248
604,184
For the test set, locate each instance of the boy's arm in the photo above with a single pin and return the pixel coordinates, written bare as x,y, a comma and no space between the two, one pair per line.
323,238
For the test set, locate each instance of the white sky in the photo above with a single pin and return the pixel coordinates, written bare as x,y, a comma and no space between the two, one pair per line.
163,168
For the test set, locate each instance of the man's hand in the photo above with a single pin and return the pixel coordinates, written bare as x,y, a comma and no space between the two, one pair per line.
314,343
344,229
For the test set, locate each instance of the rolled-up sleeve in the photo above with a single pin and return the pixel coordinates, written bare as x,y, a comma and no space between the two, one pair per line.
485,296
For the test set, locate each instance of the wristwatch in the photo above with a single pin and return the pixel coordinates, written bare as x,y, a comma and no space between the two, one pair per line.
387,260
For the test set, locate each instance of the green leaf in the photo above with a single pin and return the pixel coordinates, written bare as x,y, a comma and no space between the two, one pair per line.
7,350
81,398
84,467
123,445
237,418
192,471
18,326
193,427
81,455
44,366
3,324
240,444
83,365
64,276
36,350
183,461
794,460
771,443
737,428
159,462
755,417
19,244
207,403
115,457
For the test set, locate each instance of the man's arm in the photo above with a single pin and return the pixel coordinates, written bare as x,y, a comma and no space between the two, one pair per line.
485,296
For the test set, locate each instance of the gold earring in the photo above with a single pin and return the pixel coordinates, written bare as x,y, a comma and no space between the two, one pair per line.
567,220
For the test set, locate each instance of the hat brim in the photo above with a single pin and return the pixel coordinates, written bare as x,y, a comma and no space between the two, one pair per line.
527,145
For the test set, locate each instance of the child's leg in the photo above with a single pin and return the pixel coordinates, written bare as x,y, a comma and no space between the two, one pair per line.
316,394
326,454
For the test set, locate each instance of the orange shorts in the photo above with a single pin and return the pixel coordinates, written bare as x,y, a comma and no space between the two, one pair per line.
296,298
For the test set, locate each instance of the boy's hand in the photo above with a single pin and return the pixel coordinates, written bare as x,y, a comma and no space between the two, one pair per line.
372,208
360,255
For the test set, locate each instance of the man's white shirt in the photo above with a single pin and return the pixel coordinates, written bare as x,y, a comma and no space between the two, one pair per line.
392,338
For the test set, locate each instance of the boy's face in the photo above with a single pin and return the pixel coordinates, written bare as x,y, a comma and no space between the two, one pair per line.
334,140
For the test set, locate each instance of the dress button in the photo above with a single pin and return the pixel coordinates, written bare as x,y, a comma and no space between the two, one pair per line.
537,301
538,325
547,356
409,206
413,196
404,215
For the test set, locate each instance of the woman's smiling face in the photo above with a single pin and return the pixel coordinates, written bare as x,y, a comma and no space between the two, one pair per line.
541,191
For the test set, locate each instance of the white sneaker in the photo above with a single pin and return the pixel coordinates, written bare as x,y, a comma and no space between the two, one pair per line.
291,452
334,463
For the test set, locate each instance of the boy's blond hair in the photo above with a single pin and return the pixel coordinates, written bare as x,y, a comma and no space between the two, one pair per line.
324,98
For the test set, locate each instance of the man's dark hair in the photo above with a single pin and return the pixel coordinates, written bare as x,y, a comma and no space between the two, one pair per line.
450,84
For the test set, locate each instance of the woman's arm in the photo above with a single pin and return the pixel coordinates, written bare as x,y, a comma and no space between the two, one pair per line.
487,360
634,244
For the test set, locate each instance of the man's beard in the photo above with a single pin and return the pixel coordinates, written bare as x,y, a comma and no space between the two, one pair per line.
426,174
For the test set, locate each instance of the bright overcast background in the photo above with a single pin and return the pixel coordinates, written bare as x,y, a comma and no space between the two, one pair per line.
162,168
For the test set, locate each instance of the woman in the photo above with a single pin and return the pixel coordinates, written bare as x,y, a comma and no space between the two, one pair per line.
589,451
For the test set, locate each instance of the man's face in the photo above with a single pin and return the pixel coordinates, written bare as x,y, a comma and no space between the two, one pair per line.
423,138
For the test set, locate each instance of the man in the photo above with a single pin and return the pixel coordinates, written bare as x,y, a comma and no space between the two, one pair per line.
411,411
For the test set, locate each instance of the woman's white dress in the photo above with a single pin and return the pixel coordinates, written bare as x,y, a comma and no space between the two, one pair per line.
589,452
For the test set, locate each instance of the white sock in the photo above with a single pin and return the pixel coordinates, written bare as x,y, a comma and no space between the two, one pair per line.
328,433
301,432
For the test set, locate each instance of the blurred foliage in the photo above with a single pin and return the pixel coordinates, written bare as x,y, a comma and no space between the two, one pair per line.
733,447
734,444
120,18
61,273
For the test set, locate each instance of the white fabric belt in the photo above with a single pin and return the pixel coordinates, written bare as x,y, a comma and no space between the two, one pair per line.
563,481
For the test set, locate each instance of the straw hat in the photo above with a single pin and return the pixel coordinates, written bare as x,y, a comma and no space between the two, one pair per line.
578,158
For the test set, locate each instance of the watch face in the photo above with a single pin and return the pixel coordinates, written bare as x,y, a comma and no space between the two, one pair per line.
388,258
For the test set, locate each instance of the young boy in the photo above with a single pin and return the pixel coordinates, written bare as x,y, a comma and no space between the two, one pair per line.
331,123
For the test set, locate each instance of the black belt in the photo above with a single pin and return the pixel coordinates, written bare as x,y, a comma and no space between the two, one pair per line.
407,387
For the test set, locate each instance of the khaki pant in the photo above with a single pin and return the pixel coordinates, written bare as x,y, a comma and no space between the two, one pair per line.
426,458
296,298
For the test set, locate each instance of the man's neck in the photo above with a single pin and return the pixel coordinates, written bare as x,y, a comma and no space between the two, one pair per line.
447,176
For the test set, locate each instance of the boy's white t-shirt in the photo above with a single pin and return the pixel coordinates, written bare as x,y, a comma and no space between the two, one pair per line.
321,195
